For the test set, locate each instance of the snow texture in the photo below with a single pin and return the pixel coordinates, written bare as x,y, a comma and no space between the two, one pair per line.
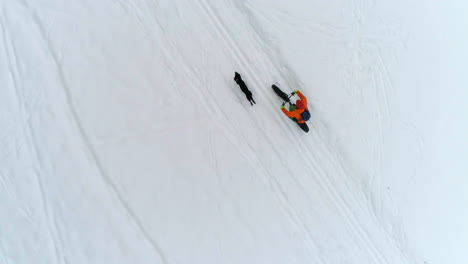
124,138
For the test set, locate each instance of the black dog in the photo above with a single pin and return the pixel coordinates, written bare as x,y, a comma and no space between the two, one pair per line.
244,88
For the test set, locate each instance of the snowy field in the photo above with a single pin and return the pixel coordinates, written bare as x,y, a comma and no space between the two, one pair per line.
124,138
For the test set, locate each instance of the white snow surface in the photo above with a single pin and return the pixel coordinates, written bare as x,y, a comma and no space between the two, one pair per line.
124,138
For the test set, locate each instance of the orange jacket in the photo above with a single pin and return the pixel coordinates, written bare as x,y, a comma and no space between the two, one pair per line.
297,113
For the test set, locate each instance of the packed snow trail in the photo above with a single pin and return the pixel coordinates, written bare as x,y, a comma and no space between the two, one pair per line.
84,133
126,140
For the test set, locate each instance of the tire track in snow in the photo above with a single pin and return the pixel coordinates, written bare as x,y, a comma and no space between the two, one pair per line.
335,195
339,202
380,75
305,229
269,53
297,222
219,26
7,148
381,113
386,80
287,207
381,79
355,223
377,149
248,151
237,54
134,10
359,230
8,134
306,26
136,13
243,148
86,142
240,57
214,162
